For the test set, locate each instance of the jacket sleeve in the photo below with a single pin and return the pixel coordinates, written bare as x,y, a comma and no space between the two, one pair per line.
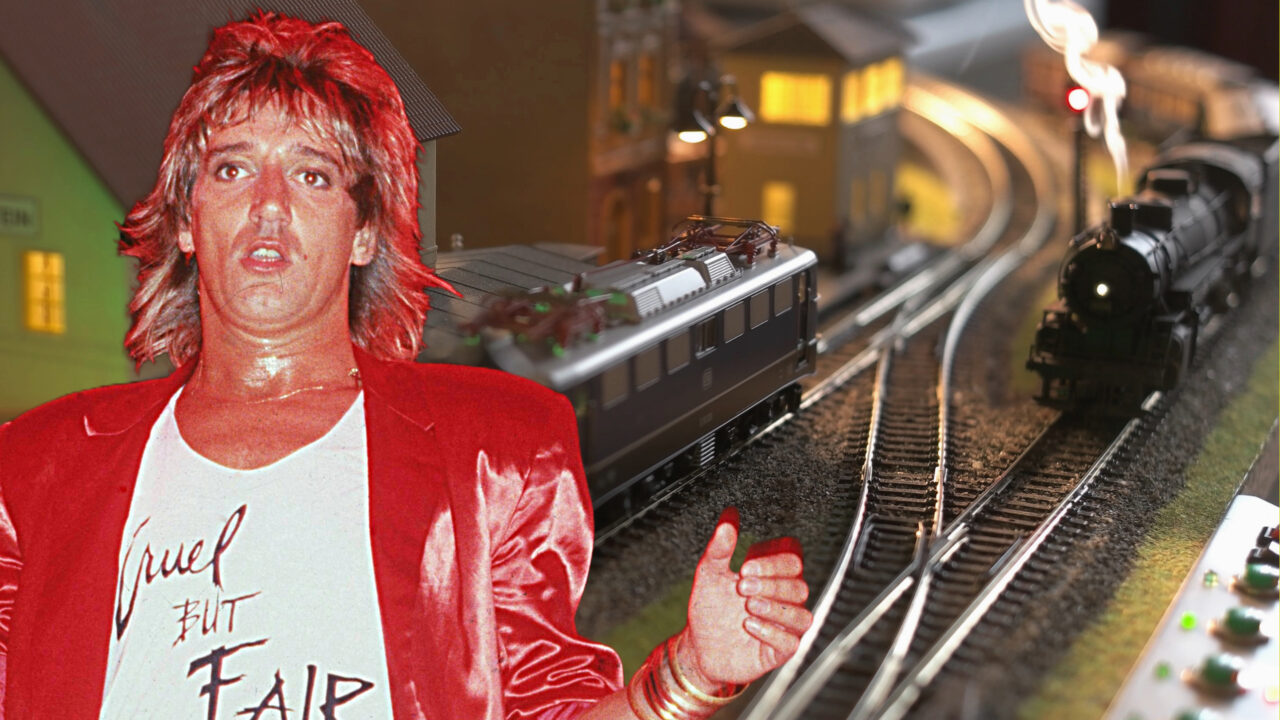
540,567
10,568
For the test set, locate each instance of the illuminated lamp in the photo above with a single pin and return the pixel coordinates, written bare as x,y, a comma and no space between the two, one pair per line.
694,128
1077,99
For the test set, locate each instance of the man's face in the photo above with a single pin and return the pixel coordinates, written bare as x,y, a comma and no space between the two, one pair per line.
273,228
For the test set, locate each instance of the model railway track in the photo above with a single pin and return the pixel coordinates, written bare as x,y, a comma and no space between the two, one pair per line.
867,623
957,577
1027,510
965,588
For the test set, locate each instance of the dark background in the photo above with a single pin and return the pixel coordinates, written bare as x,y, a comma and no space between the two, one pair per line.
1243,30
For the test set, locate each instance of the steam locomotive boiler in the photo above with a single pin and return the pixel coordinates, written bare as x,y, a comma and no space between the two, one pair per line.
1136,291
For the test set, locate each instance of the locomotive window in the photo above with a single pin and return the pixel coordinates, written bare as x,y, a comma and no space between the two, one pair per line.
759,308
677,351
782,297
648,367
734,321
613,385
704,337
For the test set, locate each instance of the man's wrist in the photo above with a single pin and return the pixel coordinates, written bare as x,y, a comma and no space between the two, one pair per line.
663,690
688,665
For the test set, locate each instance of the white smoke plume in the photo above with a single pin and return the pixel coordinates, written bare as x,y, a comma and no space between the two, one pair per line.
1070,30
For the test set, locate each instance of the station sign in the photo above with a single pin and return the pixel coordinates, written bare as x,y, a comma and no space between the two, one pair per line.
19,215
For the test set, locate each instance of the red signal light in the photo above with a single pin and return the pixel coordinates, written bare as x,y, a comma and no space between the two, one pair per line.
1077,99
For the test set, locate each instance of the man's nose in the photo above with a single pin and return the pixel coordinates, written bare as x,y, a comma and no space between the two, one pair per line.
270,197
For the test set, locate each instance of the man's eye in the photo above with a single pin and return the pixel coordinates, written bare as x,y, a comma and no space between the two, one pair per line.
227,171
314,178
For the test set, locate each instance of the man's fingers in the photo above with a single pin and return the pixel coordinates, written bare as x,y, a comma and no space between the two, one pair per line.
783,565
783,642
788,590
791,617
725,537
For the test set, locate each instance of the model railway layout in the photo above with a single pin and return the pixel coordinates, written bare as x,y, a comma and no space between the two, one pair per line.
685,355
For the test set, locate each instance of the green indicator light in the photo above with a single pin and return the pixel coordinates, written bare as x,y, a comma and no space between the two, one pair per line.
1187,621
1261,577
541,307
472,340
1210,579
1243,621
1163,670
557,350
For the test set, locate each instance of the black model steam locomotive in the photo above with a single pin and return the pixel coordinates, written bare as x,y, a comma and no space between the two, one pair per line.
1135,292
670,359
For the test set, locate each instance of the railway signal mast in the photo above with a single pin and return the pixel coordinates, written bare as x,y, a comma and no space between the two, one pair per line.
1078,101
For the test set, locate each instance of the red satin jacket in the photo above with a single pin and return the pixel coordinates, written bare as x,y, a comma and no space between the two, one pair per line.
479,517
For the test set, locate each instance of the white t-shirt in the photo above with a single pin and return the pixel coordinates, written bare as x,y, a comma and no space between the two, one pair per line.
248,593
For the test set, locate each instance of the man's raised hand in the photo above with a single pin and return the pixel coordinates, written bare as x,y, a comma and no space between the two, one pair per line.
742,625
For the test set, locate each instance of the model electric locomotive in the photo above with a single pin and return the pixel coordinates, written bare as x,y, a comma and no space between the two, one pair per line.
1135,292
670,358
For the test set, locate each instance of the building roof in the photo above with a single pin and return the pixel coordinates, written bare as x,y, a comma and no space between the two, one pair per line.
112,73
820,29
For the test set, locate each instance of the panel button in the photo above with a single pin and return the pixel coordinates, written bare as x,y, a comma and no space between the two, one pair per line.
1259,580
1198,714
1241,625
1219,674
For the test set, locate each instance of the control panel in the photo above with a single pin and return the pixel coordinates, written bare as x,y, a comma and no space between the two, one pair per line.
1215,655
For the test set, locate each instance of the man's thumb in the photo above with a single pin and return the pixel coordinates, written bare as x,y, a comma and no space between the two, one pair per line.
725,537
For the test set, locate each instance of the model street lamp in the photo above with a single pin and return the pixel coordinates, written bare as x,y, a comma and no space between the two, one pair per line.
693,126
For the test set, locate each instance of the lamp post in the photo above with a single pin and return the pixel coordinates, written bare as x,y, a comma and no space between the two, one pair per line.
692,126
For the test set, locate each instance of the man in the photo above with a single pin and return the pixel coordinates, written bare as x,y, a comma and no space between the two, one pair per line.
298,522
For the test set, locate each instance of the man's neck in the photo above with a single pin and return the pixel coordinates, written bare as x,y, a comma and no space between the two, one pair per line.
237,367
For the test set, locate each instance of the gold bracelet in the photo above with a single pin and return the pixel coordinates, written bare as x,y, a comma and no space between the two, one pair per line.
659,691
718,697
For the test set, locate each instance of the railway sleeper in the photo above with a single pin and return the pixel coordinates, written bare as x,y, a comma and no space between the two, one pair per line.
1025,509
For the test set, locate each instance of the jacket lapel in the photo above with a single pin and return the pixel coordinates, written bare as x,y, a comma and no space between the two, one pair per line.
411,528
65,618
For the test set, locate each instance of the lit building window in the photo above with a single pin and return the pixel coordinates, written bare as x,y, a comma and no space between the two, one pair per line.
851,97
893,82
617,85
646,88
796,98
778,205
46,293
877,89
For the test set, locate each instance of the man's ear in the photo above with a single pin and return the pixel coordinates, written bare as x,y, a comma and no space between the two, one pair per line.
185,243
364,246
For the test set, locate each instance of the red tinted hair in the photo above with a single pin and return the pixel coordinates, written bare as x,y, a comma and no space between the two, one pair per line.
334,88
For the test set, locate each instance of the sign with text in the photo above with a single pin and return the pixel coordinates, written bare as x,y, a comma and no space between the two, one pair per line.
19,215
